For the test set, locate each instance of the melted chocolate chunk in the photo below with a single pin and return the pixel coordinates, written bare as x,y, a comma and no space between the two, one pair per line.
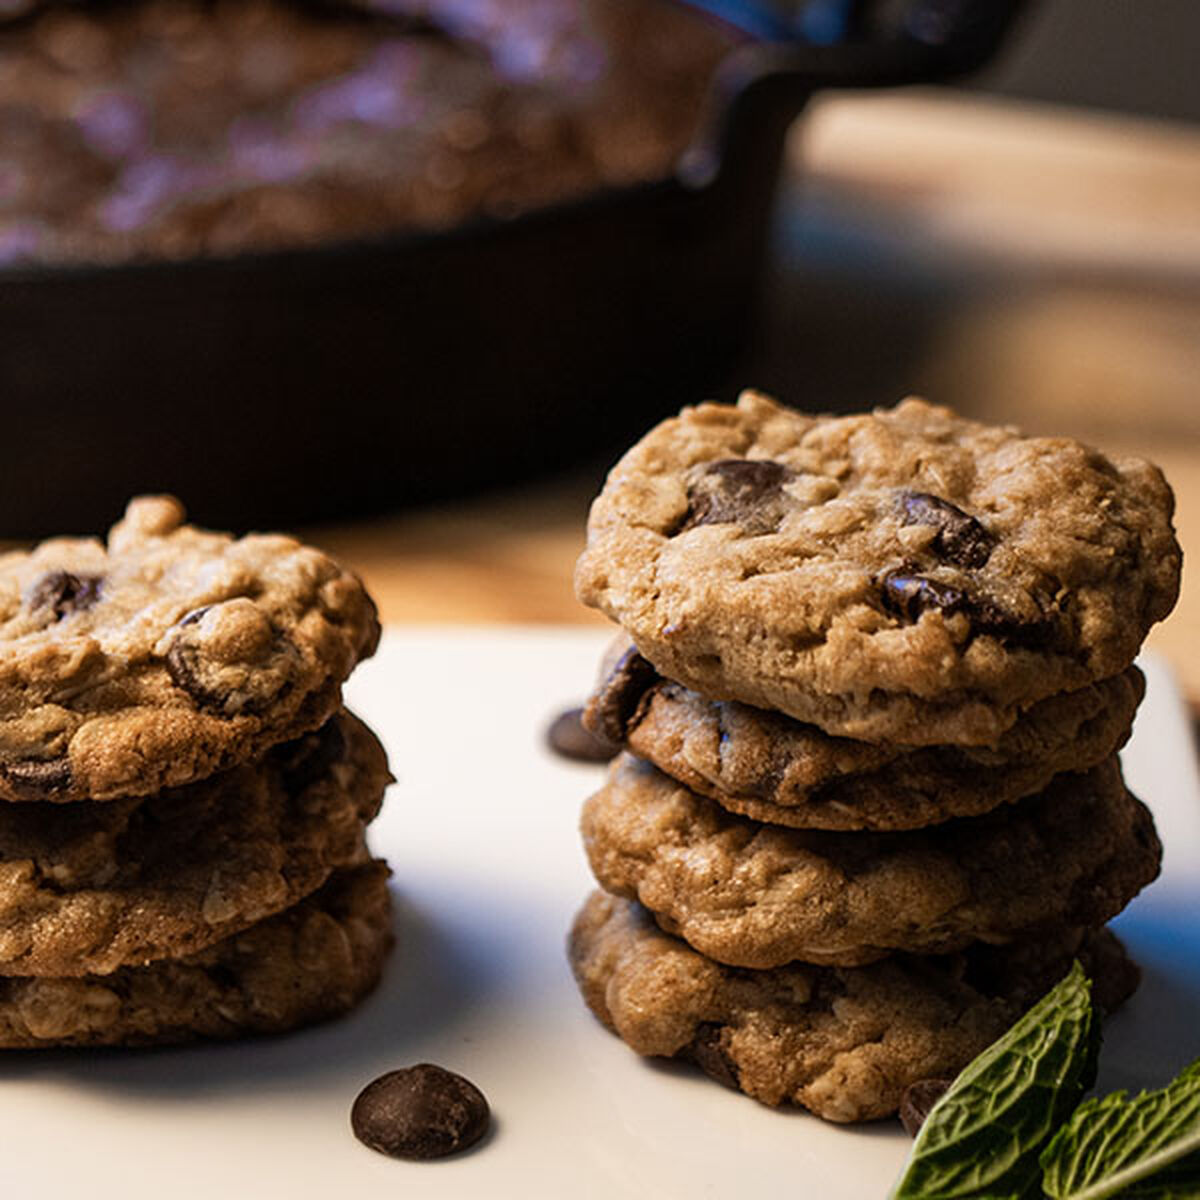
918,1099
194,616
960,539
38,779
738,491
212,686
995,622
569,737
420,1112
307,759
180,661
614,709
65,593
182,667
707,1053
908,595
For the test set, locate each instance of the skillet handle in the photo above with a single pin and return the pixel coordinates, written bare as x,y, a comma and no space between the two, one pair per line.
790,54
902,40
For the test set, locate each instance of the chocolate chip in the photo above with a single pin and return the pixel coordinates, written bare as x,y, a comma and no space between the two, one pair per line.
708,1054
65,593
740,491
229,689
1037,634
197,614
567,735
182,668
960,538
908,595
37,779
613,710
420,1112
181,665
918,1099
307,759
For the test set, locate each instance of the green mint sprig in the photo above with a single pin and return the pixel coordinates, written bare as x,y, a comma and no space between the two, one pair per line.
983,1138
1147,1145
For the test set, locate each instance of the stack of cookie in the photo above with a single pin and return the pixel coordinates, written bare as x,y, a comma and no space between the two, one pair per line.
183,800
869,806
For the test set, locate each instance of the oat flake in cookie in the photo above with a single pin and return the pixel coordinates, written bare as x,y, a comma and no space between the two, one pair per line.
166,655
905,576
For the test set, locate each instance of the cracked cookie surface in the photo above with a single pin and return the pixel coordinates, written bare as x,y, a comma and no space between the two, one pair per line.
767,766
755,895
905,576
842,1042
313,961
87,888
166,654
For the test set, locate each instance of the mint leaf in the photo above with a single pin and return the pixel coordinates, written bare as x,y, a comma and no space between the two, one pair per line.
1114,1142
1179,1181
983,1137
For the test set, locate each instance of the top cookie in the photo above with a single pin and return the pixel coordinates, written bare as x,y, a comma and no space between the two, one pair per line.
905,576
166,655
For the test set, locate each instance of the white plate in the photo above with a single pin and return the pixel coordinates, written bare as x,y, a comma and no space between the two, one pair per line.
481,833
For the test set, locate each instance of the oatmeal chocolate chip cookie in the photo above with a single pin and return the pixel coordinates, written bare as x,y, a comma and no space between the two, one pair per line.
842,1042
311,962
905,576
769,767
166,655
86,888
754,895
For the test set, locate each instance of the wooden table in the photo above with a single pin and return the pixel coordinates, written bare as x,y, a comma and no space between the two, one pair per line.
1049,260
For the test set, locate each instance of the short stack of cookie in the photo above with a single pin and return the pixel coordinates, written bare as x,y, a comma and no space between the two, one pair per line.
183,799
869,806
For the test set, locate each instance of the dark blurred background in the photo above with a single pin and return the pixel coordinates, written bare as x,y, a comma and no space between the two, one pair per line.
1113,54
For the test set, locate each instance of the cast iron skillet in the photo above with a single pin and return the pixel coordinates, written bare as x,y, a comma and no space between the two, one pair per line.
304,385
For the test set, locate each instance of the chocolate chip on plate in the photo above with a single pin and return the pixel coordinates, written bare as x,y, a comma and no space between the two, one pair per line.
568,736
917,1099
420,1112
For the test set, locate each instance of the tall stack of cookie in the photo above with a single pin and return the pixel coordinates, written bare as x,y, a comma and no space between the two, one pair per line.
869,806
184,799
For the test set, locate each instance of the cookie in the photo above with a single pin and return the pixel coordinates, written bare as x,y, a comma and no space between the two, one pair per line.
904,576
166,655
842,1042
311,962
772,768
754,895
86,888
